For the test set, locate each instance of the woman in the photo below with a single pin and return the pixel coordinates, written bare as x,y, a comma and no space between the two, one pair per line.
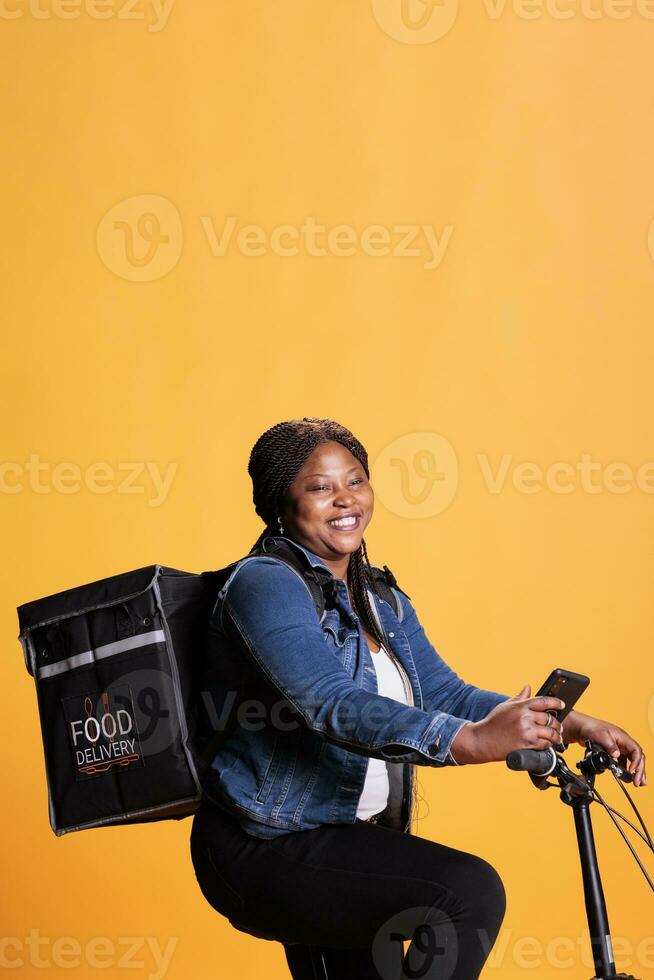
304,833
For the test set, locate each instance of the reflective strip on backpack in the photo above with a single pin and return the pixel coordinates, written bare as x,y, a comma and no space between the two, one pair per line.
108,650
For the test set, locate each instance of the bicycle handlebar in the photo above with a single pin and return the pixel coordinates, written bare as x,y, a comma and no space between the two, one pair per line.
543,762
540,762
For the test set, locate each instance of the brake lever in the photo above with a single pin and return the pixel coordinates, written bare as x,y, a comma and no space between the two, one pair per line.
598,759
621,772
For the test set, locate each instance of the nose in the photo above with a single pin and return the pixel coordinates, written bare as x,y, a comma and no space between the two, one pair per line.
345,497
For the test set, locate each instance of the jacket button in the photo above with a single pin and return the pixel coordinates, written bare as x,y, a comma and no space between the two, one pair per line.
433,748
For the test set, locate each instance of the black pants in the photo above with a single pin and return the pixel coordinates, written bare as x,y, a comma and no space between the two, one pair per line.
342,898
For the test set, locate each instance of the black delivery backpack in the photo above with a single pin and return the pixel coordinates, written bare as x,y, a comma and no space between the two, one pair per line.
117,666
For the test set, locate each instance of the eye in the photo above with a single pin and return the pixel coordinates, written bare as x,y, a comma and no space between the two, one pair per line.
358,479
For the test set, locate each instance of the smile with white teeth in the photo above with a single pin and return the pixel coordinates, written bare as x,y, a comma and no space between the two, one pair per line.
344,522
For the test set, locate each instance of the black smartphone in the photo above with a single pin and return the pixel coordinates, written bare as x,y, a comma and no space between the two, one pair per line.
568,686
564,684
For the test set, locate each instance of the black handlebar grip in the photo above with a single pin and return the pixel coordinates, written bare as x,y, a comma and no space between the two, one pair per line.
540,762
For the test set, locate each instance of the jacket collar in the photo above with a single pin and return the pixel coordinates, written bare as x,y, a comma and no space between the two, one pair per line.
317,563
313,559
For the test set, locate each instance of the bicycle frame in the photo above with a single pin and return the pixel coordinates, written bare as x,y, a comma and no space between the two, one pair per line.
578,794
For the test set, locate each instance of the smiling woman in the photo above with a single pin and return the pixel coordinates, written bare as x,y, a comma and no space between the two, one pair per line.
304,832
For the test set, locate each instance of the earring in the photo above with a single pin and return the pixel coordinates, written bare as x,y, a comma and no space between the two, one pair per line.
281,526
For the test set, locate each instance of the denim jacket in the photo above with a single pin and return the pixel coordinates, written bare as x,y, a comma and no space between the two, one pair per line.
297,698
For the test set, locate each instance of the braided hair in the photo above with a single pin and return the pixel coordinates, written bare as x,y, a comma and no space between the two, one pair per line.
276,458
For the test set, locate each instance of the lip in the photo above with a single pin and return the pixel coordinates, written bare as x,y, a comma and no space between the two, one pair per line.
346,530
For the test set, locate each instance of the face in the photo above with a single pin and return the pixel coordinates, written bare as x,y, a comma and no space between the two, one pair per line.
331,484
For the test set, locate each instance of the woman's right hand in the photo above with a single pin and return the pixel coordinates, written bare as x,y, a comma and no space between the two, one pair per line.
518,723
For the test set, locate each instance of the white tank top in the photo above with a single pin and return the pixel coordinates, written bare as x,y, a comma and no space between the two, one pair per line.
389,683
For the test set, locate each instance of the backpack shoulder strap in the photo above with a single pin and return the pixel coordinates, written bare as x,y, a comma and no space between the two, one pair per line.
384,582
285,552
216,579
299,563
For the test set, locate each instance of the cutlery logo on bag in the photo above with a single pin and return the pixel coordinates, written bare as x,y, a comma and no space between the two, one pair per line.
102,732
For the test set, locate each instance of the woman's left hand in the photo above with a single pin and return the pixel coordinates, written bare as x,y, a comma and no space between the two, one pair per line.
578,727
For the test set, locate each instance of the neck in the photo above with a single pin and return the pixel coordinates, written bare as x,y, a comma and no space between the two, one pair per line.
338,568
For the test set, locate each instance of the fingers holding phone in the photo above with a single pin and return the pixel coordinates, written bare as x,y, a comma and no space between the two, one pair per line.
553,729
542,726
520,722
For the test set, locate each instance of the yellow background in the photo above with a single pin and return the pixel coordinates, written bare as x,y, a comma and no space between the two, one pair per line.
530,136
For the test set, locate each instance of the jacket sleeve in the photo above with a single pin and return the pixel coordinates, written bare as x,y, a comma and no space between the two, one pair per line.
442,688
268,608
